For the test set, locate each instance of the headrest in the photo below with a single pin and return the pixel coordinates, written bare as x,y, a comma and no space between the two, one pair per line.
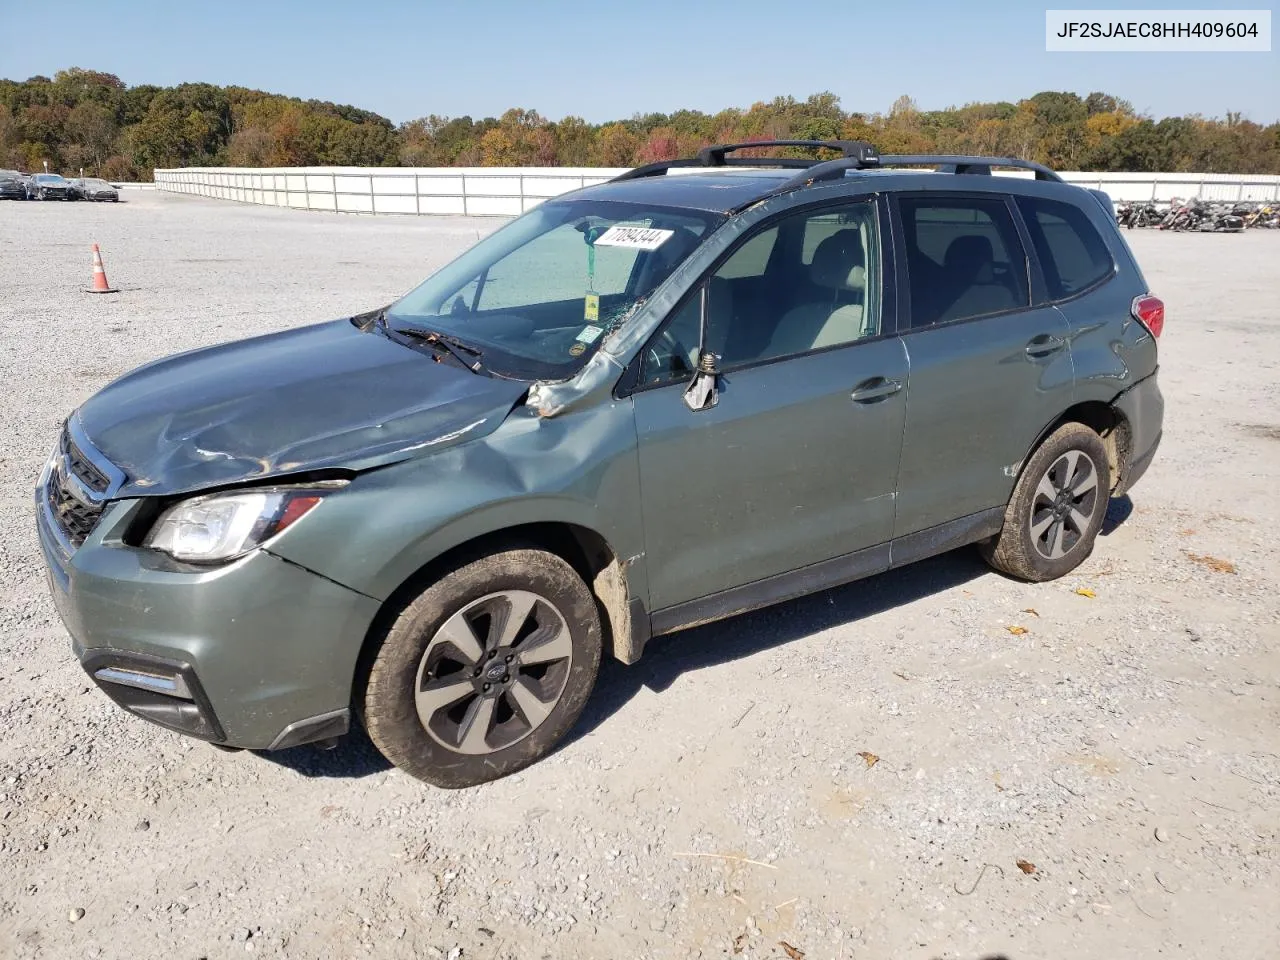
839,263
970,257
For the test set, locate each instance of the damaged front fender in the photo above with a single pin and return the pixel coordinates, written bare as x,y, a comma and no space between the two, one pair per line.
577,469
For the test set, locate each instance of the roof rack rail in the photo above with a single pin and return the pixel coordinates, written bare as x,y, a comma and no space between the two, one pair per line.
961,164
835,169
857,153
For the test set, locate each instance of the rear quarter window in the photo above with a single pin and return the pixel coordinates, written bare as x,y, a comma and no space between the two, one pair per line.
1072,254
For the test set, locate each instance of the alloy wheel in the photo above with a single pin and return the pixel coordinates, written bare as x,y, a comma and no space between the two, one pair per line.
1064,504
493,672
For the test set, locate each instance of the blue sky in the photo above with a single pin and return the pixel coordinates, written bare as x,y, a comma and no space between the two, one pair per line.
608,59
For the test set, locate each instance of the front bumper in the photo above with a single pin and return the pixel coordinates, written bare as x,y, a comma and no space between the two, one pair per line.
258,653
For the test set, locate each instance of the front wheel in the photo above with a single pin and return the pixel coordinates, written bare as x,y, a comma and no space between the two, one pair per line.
1057,507
485,671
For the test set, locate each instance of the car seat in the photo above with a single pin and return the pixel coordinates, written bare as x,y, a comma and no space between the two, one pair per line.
839,270
971,286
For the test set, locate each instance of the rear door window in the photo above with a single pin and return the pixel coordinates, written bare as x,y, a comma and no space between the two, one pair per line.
1072,254
964,258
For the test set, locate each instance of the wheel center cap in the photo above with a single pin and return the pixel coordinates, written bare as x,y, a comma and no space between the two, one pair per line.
496,672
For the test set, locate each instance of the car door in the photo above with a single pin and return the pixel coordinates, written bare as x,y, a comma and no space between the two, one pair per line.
988,372
797,460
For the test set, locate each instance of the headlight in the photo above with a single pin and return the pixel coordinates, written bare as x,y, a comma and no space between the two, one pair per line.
223,526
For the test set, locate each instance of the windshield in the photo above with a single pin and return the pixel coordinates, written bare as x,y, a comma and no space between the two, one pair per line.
537,296
48,178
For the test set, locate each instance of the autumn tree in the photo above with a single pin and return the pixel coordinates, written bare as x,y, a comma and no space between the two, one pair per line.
615,146
91,126
90,118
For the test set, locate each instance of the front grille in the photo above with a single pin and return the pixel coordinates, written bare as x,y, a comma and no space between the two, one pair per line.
76,519
74,516
85,472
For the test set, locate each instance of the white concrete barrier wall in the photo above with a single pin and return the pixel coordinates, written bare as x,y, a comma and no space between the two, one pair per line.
508,191
466,191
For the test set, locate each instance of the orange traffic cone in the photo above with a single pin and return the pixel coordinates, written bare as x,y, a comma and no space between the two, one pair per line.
100,284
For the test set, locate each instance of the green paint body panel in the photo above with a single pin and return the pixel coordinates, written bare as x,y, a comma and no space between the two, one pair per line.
975,404
783,472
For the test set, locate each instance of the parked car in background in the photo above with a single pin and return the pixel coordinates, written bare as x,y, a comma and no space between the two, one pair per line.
49,186
13,185
644,405
93,188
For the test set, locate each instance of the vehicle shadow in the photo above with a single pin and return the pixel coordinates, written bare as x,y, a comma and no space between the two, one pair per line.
1118,511
667,658
354,757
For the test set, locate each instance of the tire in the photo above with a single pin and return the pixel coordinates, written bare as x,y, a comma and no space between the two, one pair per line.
1042,509
451,659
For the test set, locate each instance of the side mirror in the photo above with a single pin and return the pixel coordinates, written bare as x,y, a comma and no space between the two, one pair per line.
703,391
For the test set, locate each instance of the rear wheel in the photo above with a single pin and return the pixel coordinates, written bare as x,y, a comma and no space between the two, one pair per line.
485,671
1057,507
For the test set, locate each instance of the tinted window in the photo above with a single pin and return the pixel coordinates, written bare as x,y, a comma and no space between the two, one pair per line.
807,282
964,258
752,257
1072,254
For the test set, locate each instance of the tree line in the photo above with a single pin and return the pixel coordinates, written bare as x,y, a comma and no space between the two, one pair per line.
92,120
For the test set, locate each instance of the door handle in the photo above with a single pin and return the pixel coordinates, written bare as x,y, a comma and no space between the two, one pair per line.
877,388
1044,345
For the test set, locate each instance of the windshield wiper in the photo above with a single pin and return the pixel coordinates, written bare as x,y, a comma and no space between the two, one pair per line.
453,345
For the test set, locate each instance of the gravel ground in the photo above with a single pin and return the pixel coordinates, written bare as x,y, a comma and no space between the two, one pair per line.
722,798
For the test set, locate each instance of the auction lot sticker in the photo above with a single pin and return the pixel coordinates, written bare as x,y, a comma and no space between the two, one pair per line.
637,238
1157,31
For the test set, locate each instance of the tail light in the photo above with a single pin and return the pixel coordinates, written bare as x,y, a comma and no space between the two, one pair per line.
1149,311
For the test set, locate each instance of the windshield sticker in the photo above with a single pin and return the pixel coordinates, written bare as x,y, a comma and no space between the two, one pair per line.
590,334
592,309
578,349
637,238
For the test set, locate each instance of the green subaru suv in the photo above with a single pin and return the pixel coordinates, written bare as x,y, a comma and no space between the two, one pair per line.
705,386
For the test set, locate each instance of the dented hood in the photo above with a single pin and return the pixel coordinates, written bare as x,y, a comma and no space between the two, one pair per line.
324,396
